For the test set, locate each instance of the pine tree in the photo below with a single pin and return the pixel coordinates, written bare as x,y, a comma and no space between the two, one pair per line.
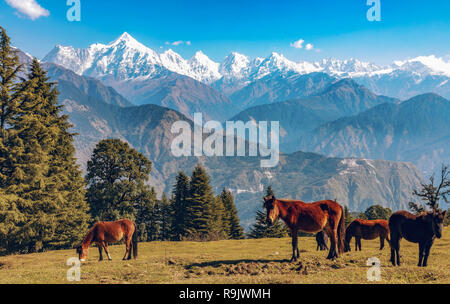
179,206
200,204
9,94
231,223
269,191
146,217
9,69
261,229
166,218
117,176
348,216
44,180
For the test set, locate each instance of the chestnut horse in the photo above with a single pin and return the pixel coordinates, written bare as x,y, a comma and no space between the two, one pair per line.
310,218
367,230
422,229
103,233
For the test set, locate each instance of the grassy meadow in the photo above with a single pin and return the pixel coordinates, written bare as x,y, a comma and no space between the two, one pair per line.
244,261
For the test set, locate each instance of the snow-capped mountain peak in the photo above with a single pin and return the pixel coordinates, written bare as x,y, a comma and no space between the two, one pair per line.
127,41
425,64
126,58
203,68
235,66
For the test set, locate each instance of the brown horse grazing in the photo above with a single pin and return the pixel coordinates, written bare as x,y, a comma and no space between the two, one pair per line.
322,241
110,232
311,218
422,229
367,230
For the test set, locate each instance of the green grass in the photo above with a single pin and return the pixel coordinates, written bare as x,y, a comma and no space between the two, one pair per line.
245,261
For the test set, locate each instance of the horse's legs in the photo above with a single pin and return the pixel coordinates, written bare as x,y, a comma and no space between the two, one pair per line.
128,249
332,234
395,247
100,251
294,235
421,252
106,250
427,253
382,241
359,243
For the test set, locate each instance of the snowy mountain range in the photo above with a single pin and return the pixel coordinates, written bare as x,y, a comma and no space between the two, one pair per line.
125,58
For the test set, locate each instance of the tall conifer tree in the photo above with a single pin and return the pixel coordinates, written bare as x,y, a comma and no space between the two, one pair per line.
179,205
200,204
231,223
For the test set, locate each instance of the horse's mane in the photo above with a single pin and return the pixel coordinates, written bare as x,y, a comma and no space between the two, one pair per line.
89,235
287,200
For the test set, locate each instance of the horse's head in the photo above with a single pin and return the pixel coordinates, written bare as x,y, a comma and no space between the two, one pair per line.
82,253
436,217
272,209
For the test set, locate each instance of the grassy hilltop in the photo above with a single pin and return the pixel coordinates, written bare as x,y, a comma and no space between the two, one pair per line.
244,261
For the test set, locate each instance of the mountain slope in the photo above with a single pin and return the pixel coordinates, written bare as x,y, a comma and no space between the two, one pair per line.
274,87
73,86
178,92
415,130
341,98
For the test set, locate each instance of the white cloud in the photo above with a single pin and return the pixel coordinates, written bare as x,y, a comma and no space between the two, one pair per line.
298,44
30,8
179,42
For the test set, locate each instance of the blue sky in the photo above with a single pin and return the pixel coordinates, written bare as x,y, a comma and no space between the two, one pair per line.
338,28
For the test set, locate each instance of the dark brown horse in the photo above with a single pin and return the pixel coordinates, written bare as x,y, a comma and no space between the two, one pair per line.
367,230
311,218
322,241
422,229
104,233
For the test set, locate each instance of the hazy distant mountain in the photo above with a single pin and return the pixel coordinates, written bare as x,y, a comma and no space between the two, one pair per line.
415,130
177,92
74,86
273,88
341,98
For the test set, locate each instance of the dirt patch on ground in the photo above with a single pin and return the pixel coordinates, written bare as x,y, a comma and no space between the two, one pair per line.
255,268
5,265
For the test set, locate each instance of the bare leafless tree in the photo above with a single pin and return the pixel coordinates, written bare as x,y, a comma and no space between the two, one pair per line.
431,193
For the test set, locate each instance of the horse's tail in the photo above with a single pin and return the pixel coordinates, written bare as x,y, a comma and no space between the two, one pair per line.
135,242
341,232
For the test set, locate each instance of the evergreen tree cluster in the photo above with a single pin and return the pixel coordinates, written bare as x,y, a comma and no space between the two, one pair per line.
198,214
117,188
42,196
